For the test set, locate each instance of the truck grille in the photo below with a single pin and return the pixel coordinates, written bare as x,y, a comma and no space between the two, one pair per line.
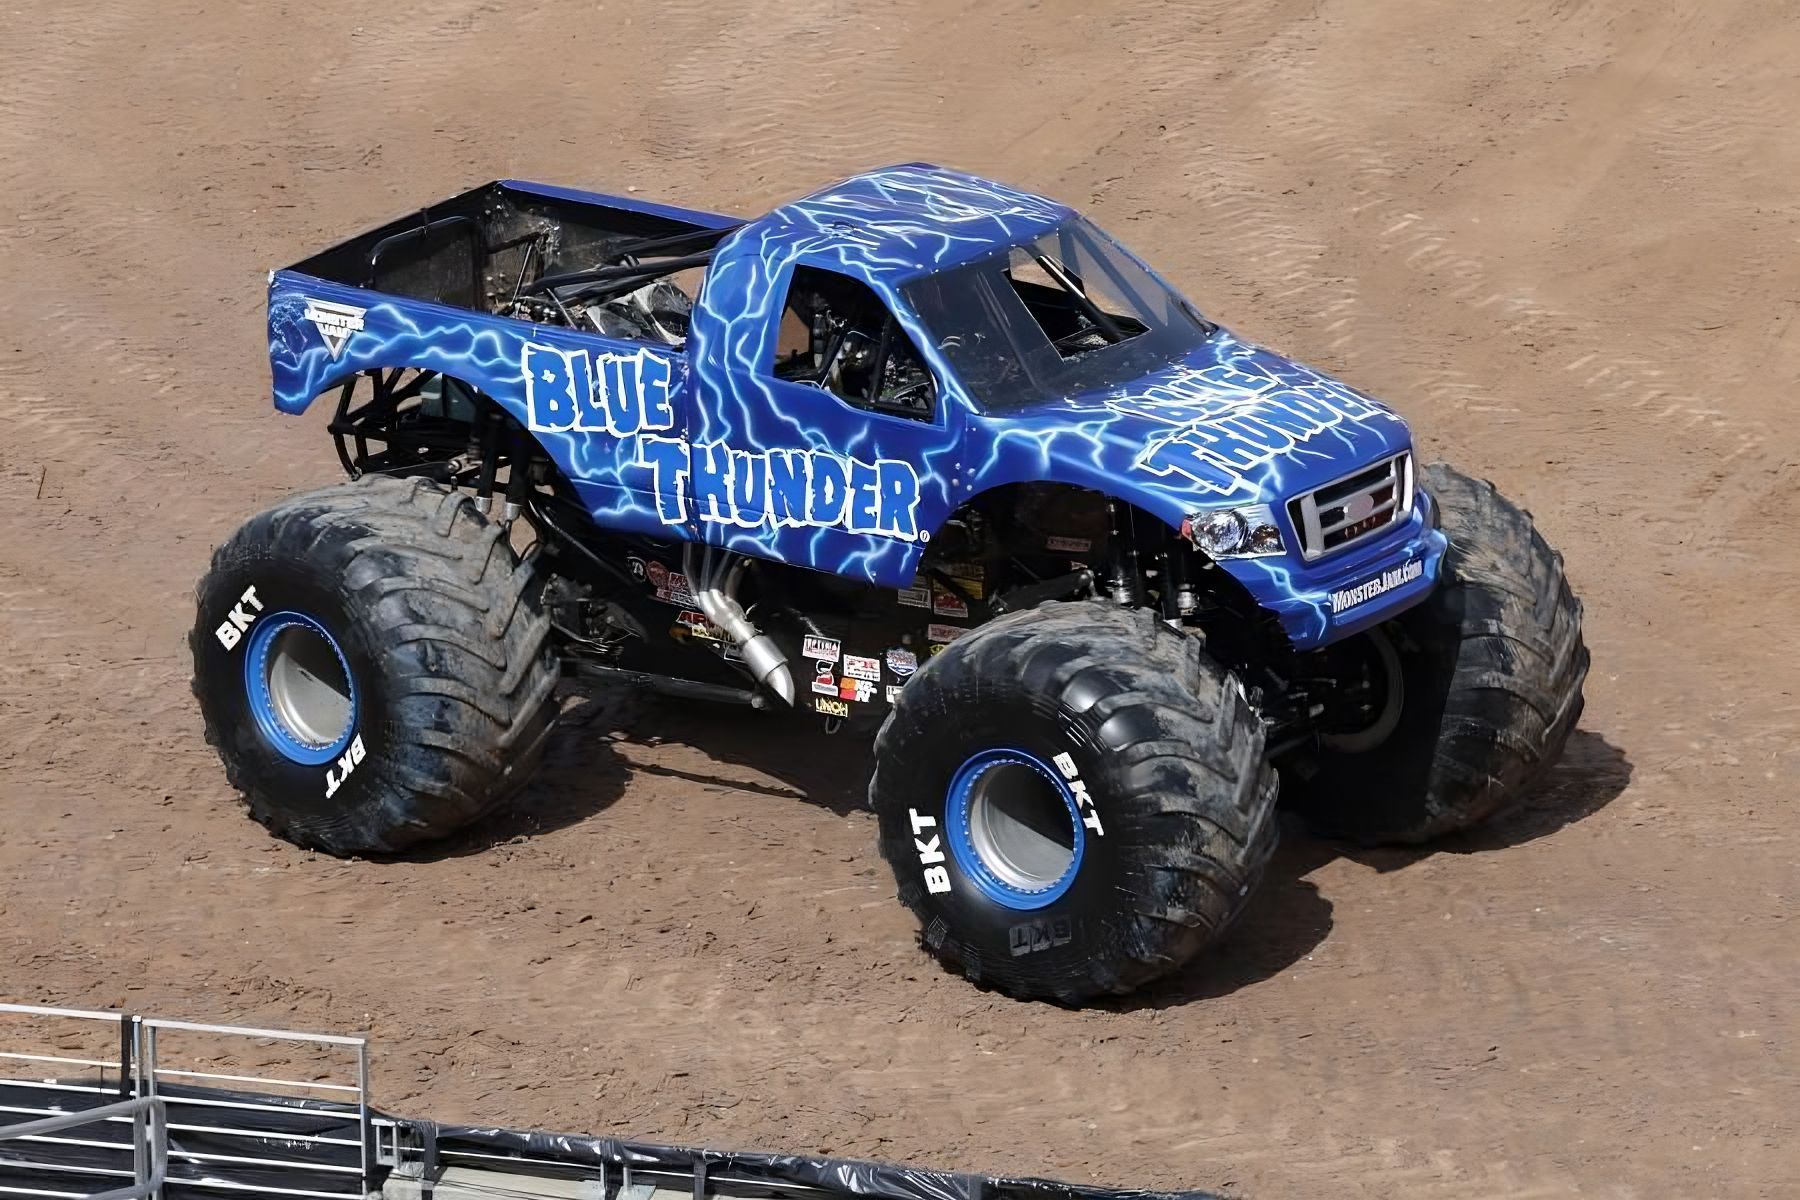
1358,506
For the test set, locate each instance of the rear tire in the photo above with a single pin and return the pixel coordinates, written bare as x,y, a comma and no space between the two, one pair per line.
1491,667
1074,801
373,665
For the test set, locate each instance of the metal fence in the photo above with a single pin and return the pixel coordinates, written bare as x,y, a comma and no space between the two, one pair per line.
149,1148
197,1120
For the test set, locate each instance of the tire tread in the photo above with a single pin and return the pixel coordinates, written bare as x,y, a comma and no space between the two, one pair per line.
445,591
1189,725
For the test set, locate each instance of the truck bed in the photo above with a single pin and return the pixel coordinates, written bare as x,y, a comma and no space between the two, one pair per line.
473,250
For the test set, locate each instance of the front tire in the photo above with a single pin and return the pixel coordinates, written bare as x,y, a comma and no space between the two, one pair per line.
1074,801
373,665
1489,669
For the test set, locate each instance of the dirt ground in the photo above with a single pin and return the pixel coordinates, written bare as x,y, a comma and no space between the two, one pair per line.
1559,235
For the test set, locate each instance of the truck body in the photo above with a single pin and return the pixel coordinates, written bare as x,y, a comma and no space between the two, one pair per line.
698,437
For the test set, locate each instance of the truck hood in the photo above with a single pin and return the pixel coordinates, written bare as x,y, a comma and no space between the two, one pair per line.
1231,424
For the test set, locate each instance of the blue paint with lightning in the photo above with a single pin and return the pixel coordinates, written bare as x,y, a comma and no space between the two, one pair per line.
707,444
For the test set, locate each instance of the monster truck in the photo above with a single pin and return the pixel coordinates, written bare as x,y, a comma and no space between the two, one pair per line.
920,454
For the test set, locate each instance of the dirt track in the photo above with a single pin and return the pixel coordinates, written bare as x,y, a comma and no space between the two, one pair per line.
1561,239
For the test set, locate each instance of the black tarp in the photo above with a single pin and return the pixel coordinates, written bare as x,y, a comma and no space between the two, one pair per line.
842,1176
274,1133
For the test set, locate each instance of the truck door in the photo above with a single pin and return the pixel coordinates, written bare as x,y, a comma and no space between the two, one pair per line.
819,434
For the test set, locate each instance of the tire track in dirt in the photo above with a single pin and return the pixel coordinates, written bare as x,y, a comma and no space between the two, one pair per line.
138,270
1316,113
848,92
129,701
40,51
96,476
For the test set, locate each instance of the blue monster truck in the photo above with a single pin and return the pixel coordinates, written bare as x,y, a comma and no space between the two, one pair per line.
918,452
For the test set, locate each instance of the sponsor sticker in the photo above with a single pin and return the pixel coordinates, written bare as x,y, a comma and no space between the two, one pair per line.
943,633
859,690
893,693
914,597
1348,598
824,679
970,577
948,604
822,649
902,662
858,667
695,624
674,589
831,708
1068,545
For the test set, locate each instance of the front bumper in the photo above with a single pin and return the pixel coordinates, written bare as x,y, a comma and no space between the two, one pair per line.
1325,601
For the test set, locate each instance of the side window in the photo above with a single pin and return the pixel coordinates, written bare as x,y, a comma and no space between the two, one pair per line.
835,333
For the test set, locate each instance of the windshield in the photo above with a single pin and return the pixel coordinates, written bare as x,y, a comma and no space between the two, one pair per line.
1069,312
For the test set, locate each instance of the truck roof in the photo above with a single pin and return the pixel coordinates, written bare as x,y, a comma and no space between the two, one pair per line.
898,222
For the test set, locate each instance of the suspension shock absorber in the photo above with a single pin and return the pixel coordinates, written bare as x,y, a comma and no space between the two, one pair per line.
1178,598
489,422
1125,577
518,474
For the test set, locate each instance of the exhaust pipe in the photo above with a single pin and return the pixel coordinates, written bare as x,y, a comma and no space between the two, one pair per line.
764,659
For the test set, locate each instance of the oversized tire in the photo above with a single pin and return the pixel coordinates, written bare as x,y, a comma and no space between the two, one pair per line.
1074,801
373,665
1488,674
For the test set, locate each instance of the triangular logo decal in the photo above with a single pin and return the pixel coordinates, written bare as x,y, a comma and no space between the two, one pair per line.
335,322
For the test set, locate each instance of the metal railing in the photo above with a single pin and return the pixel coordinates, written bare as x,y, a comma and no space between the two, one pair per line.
149,1149
181,1098
189,1113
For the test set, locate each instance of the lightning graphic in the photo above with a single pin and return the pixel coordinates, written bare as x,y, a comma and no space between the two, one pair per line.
1232,423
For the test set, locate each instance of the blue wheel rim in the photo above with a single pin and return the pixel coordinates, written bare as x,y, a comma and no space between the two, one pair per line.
270,650
1004,820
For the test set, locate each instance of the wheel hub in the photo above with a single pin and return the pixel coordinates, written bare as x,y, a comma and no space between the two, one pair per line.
300,688
1014,828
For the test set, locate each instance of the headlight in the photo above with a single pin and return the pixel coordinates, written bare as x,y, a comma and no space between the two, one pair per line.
1219,532
1248,532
